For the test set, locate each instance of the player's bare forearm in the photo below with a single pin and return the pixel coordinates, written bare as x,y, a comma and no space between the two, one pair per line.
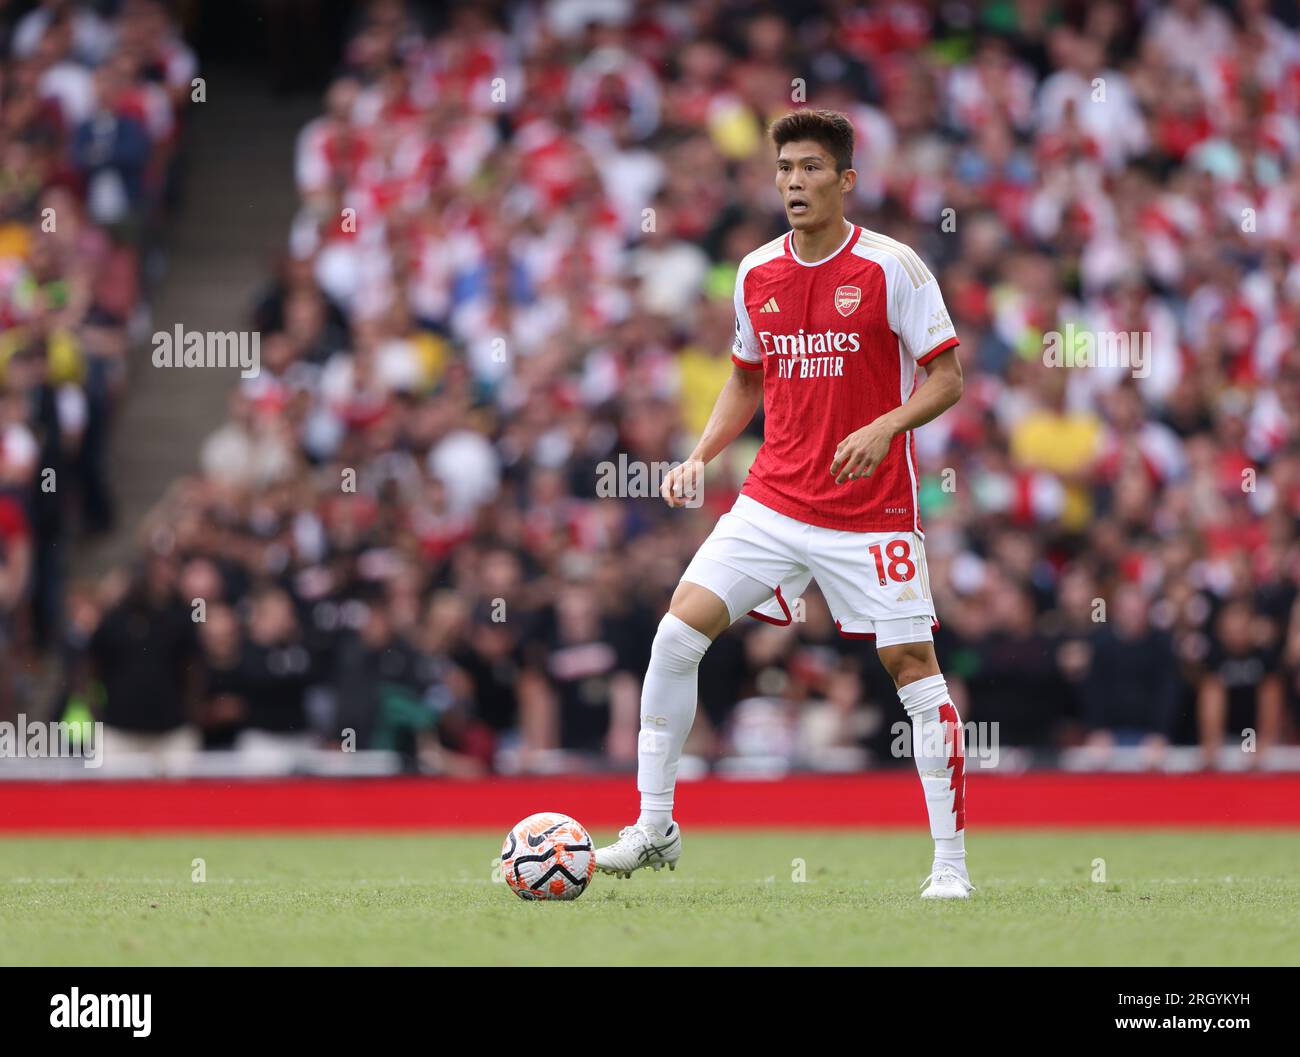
861,452
731,413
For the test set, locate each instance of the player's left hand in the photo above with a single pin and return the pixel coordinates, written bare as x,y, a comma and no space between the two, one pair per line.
861,452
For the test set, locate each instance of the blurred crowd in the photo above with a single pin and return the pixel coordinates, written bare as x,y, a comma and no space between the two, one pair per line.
90,105
513,263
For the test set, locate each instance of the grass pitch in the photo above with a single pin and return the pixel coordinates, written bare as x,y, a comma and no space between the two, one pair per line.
1216,898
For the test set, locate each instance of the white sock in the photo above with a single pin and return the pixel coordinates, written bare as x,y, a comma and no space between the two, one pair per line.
668,697
951,849
939,751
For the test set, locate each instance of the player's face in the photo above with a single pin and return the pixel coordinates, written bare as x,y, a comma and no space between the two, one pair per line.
811,190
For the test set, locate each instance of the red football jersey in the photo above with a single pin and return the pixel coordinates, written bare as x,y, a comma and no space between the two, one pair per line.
839,341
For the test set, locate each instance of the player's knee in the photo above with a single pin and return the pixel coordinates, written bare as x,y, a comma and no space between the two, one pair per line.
677,646
700,609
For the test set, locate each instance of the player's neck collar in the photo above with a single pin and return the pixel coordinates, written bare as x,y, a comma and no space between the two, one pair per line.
789,244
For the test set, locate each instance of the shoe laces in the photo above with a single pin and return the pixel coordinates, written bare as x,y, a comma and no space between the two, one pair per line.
944,871
635,834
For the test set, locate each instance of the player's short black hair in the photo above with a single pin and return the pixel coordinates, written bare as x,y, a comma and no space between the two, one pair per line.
828,128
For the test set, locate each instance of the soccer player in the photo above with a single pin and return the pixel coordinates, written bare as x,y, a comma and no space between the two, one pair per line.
832,322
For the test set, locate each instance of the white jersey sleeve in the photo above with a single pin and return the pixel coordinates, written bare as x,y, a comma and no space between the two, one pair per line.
918,315
744,349
915,307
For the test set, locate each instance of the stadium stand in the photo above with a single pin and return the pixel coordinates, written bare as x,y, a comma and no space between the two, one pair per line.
512,270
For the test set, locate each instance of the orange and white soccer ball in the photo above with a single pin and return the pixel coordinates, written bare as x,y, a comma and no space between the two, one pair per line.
548,856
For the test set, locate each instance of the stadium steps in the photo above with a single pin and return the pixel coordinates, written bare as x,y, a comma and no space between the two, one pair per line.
220,241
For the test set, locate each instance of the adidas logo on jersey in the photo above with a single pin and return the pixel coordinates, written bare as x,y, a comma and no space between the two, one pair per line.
771,306
907,595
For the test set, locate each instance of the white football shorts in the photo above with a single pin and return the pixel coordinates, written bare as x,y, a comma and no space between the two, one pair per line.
760,562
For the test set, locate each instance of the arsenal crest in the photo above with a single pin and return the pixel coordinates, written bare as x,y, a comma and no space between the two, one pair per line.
847,299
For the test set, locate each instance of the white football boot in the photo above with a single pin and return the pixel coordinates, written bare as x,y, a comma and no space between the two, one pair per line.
639,846
946,882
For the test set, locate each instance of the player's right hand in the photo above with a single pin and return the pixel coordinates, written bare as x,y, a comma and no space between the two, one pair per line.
683,484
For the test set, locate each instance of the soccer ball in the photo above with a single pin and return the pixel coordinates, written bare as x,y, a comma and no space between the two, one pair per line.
548,856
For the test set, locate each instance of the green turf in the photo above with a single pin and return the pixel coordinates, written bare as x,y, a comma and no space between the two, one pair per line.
1168,899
